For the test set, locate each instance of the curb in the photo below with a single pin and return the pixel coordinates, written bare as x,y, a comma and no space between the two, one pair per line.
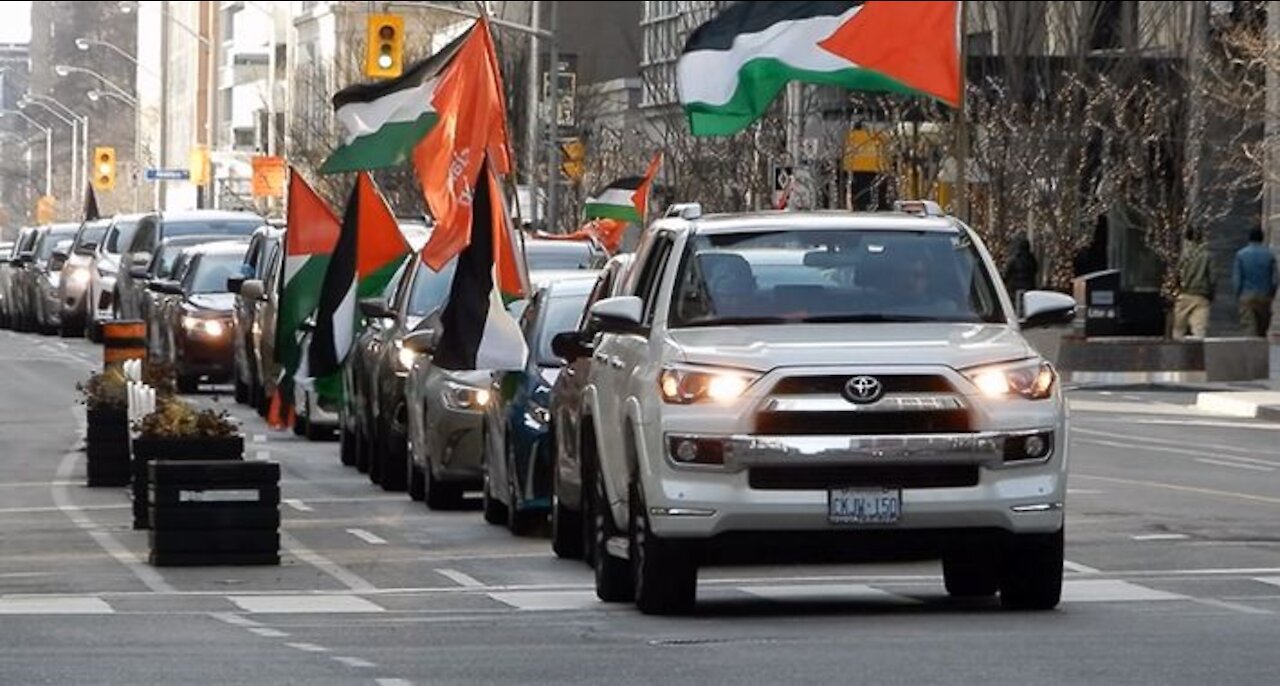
1270,413
1250,405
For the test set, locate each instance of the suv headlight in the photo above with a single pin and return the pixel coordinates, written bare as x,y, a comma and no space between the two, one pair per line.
462,397
404,356
685,386
212,328
1032,379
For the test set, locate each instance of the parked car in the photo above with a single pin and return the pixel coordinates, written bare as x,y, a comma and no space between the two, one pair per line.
104,270
77,276
7,251
19,261
550,255
197,323
873,401
155,228
262,332
45,274
168,262
519,459
263,250
570,533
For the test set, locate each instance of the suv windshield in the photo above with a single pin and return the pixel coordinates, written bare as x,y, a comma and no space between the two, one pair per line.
51,240
212,270
430,288
121,235
778,277
562,314
91,233
210,228
555,255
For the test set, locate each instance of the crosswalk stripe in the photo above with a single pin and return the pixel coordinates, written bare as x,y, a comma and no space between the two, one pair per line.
54,605
548,600
846,592
305,604
1110,590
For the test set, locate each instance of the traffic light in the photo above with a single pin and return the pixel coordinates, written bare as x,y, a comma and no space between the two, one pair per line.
573,155
104,168
384,52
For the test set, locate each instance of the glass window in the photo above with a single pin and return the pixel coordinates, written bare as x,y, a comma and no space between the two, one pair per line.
775,277
430,288
91,233
561,314
121,235
51,239
548,255
231,227
209,273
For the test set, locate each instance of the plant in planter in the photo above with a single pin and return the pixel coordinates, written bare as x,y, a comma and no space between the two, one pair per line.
105,397
178,431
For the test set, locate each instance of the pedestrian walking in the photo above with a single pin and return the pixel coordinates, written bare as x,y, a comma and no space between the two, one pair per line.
1195,288
1255,279
1022,271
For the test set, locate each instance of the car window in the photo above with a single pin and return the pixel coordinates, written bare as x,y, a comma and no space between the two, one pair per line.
178,266
249,267
430,288
211,227
209,273
561,314
650,280
144,238
600,291
553,255
122,233
90,233
51,239
529,315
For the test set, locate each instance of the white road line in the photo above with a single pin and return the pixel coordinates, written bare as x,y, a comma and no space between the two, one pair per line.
860,592
298,505
1108,591
234,619
84,508
1149,448
347,578
461,578
268,633
354,662
62,499
1235,607
262,455
1145,440
54,605
1234,465
38,484
1079,568
308,647
393,682
548,600
1207,423
367,537
1084,491
24,575
1160,537
305,604
259,438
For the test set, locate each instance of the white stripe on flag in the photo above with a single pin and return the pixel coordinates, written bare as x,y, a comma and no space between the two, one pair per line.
501,346
614,196
364,118
344,324
711,76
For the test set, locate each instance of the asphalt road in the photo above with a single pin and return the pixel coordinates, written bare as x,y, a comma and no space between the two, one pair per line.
1173,577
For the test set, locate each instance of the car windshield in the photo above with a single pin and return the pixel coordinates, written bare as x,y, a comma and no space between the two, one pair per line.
51,241
554,255
561,314
211,227
430,289
92,233
777,277
121,235
212,271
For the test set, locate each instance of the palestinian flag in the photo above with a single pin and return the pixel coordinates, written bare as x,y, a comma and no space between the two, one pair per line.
733,66
625,199
370,250
311,234
384,120
477,332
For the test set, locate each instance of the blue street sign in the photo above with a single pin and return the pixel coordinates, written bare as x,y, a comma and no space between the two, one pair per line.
168,174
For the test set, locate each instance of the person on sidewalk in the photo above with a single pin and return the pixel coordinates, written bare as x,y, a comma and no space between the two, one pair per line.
1255,279
1195,288
1021,271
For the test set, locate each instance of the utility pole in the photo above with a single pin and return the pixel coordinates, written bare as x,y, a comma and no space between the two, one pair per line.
164,102
531,117
553,122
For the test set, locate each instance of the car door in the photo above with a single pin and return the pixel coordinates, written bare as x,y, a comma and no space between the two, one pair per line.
143,245
507,388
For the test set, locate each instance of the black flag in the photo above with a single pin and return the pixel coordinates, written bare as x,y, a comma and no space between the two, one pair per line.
90,204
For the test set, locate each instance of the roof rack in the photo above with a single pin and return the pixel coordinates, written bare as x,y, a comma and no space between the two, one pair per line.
920,208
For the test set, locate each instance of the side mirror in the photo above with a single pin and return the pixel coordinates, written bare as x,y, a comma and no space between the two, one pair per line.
1043,309
570,346
622,314
138,272
56,261
234,284
139,259
250,289
375,308
166,287
421,341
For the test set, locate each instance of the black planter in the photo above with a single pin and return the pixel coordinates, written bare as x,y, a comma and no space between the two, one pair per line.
107,448
147,450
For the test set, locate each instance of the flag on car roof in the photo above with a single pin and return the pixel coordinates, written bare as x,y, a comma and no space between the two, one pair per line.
310,236
625,199
370,249
383,121
734,65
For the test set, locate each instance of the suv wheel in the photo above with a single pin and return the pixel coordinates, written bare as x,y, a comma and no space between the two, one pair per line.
566,530
519,522
494,511
361,447
1031,578
242,389
392,457
417,482
347,445
440,495
187,383
666,577
613,575
976,575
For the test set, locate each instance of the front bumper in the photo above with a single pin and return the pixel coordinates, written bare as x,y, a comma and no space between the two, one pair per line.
455,443
207,356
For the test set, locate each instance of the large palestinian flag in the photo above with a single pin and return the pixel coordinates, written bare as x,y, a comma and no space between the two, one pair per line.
383,121
369,251
733,66
312,232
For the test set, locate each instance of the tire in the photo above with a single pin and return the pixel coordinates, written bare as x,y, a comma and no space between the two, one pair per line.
976,575
361,450
94,332
316,433
392,470
614,582
417,483
566,531
519,522
1031,578
242,390
494,511
188,384
664,574
70,330
299,426
439,495
347,447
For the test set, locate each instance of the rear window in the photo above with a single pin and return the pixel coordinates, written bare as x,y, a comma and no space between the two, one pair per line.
211,228
212,271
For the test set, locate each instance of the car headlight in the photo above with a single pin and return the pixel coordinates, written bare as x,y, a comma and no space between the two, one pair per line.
462,397
78,277
209,327
683,386
405,356
1032,379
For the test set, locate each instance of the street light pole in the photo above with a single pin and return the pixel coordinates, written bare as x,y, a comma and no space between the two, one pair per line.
75,127
47,100
85,44
48,147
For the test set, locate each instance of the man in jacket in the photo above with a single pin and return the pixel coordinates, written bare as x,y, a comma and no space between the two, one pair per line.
1195,288
1255,280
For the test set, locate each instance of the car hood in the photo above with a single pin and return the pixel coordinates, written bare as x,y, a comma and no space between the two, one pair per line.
766,347
212,301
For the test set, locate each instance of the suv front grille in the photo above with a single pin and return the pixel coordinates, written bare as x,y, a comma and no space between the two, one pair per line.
834,384
863,423
858,476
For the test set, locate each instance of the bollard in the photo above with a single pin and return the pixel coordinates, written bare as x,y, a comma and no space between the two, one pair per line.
122,341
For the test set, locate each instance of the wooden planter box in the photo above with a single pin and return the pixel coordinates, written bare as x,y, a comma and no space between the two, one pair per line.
107,448
148,450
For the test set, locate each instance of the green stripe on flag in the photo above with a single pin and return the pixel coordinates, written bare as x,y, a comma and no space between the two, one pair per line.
626,213
376,283
299,301
390,146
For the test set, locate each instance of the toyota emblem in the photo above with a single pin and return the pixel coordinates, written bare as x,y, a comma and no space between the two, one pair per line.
863,390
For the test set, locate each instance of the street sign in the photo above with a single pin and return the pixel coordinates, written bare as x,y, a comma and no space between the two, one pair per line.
168,174
268,176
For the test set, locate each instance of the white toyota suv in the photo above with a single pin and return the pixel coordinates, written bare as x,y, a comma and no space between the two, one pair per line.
822,387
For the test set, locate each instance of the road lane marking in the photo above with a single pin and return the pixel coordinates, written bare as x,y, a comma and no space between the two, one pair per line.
1110,590
355,662
298,505
1079,568
308,647
1147,440
1217,424
1272,580
234,619
1160,537
1084,491
262,455
1185,489
54,605
304,604
86,508
38,484
1234,465
347,578
259,438
393,682
847,592
542,601
462,579
266,632
1235,607
1196,454
367,537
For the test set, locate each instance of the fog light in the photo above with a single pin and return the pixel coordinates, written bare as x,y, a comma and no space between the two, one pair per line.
1034,447
686,450
699,451
1029,447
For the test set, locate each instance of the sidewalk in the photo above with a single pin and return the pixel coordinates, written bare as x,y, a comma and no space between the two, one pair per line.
1256,399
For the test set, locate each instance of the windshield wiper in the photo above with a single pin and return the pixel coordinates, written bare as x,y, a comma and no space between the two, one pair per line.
878,319
739,321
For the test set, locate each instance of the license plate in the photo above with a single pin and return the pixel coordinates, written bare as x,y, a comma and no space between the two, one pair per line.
864,506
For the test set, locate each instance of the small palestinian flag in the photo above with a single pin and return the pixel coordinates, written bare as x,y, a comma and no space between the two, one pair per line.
311,234
625,199
733,66
383,121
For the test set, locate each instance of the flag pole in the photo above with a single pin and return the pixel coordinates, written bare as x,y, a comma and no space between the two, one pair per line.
961,119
